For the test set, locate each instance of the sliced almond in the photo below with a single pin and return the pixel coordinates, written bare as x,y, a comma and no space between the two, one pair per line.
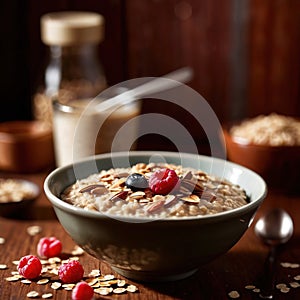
209,196
119,196
99,191
155,206
119,183
191,199
170,200
137,195
188,175
91,187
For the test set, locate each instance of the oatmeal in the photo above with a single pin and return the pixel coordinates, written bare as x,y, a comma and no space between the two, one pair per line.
155,190
273,130
15,190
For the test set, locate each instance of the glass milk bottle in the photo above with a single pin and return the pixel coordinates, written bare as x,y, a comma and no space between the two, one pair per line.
73,71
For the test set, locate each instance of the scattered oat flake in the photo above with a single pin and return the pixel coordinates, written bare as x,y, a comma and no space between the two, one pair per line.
104,291
256,290
104,284
2,240
12,278
47,296
290,265
280,286
285,290
15,262
250,287
234,294
108,277
14,273
119,290
55,285
43,281
74,258
33,294
54,260
77,251
95,273
132,288
91,281
121,283
26,281
68,287
34,230
3,266
297,277
294,284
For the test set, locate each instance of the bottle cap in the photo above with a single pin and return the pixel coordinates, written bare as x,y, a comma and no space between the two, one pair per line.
72,28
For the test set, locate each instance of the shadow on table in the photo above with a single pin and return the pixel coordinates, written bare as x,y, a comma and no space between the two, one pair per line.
34,213
230,272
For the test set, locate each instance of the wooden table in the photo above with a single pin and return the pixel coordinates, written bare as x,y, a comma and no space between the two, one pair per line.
241,266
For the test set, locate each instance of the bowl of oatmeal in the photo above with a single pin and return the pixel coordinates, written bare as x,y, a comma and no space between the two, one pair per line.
155,216
270,146
17,196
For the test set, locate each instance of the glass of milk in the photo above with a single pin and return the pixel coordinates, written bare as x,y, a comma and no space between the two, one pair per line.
81,129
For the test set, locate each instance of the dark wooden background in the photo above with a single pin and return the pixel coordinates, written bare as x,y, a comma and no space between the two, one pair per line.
245,53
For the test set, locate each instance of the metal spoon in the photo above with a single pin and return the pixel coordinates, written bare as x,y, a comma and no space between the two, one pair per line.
274,228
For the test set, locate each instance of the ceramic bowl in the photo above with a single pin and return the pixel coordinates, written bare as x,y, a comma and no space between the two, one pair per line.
25,146
278,165
164,249
18,207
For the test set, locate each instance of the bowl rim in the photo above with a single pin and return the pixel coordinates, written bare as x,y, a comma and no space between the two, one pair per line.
23,131
57,202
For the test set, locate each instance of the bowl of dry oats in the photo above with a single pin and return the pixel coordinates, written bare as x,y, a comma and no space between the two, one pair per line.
17,196
155,216
268,145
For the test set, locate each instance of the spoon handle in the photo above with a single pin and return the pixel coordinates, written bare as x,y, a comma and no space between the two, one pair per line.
268,279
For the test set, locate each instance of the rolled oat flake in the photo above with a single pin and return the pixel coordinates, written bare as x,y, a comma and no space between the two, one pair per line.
234,294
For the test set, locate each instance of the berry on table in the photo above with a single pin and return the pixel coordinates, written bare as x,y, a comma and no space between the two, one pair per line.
82,291
163,181
71,272
49,247
136,182
29,266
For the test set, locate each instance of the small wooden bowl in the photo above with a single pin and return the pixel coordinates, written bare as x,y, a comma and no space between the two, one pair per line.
25,146
23,202
278,165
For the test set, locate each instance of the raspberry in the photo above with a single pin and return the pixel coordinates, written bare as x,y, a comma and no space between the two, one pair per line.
71,272
82,291
30,266
163,181
49,247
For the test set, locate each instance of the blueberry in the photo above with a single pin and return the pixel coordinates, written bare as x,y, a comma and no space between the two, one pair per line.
136,182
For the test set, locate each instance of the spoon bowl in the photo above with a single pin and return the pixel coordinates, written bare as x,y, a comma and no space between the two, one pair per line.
275,228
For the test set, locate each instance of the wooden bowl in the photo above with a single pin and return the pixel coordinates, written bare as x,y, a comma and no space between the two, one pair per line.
278,165
17,200
25,146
